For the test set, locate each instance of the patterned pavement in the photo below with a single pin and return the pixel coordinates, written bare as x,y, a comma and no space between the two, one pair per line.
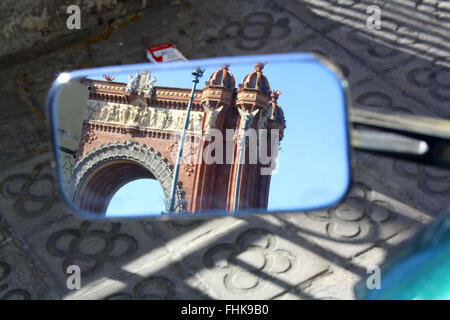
403,68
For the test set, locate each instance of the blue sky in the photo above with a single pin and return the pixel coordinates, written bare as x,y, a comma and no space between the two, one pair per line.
313,168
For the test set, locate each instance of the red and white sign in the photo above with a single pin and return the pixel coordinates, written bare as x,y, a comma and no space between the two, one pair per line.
164,53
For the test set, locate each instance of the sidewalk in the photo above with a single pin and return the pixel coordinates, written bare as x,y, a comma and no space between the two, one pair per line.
403,68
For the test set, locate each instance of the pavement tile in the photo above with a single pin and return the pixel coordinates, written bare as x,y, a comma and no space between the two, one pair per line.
400,69
99,248
369,214
19,277
28,196
426,82
377,53
257,27
158,280
428,188
306,12
18,145
377,95
254,260
178,234
353,70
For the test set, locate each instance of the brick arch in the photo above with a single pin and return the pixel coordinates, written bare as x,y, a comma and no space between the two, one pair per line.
102,171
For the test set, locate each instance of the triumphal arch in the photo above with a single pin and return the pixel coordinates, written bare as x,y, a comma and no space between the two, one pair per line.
131,131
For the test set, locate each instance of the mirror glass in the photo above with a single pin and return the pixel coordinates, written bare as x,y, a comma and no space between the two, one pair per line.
219,136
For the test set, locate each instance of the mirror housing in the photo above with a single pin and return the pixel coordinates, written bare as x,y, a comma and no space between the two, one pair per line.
113,128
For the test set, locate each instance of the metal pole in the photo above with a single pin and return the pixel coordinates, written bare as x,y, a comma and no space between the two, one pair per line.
197,73
241,144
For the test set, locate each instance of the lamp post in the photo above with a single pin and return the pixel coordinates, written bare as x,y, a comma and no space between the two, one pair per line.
197,73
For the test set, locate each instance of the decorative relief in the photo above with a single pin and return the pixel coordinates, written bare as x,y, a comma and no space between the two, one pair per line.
191,153
103,86
254,30
357,218
151,288
211,115
170,226
188,169
76,245
373,48
432,181
89,137
4,235
139,115
246,116
12,294
172,146
34,193
381,101
435,80
160,93
141,83
247,262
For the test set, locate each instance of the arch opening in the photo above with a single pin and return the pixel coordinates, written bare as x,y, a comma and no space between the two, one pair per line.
139,197
116,177
100,173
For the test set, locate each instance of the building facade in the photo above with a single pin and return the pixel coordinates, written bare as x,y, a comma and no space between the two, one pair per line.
131,131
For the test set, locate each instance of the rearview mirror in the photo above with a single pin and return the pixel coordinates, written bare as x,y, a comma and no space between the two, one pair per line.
221,136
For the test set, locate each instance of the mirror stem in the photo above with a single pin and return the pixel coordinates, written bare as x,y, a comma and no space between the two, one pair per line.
197,73
420,139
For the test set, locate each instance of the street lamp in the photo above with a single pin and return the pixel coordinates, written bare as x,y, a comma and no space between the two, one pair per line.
197,73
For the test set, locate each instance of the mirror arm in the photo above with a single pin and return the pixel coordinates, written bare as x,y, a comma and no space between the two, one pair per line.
414,138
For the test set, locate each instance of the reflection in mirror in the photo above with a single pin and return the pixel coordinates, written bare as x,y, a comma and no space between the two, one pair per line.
247,135
129,199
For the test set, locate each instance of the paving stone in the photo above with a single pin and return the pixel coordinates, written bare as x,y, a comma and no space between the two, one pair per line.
400,69
19,278
305,12
5,236
101,249
427,187
339,280
377,95
257,27
353,70
18,145
429,27
255,260
375,52
427,82
335,285
158,280
178,234
368,215
29,199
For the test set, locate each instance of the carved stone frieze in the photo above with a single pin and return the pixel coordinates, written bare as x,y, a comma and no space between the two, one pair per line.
138,114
